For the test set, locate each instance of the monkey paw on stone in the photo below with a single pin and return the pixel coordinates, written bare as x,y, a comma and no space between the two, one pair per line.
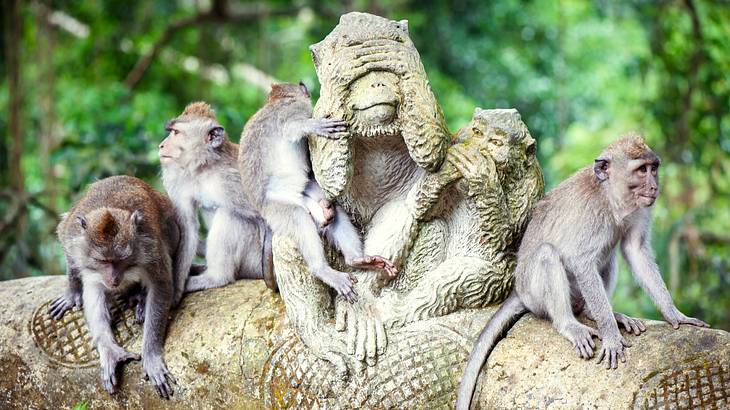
156,372
631,324
581,336
342,282
612,349
64,303
109,358
675,318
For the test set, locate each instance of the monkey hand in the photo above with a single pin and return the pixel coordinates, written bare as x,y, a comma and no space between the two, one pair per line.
366,338
612,349
109,357
64,303
326,127
675,318
155,370
328,213
342,282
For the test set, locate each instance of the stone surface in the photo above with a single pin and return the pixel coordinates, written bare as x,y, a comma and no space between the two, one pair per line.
234,348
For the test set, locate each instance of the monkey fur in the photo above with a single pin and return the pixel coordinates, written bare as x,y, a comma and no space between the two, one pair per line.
122,234
277,173
566,262
199,172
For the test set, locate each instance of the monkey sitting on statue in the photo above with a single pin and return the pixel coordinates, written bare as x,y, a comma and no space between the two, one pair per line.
567,259
119,235
199,171
276,172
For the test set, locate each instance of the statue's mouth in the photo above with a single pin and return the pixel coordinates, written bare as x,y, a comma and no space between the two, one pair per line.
366,107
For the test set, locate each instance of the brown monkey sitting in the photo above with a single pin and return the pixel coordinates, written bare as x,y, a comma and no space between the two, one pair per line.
567,259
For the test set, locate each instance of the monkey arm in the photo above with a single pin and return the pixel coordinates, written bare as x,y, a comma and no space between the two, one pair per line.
637,252
187,220
159,301
591,288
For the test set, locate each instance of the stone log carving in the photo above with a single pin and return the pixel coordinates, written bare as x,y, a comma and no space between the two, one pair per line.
233,348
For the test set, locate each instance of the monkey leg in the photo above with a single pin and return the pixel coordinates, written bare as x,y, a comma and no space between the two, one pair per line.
233,251
98,320
294,222
549,294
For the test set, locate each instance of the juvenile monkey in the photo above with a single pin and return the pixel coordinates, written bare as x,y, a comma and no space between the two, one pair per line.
122,234
199,171
276,171
567,259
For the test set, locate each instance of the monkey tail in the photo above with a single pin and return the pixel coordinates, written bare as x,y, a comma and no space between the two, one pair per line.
507,314
267,257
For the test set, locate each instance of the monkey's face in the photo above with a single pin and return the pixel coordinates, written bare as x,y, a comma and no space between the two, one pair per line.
374,100
110,236
188,139
643,180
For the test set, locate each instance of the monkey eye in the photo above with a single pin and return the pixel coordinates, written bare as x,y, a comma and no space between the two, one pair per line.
101,261
476,131
642,170
496,142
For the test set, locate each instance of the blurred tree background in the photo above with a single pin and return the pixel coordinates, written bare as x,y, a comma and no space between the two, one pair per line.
86,88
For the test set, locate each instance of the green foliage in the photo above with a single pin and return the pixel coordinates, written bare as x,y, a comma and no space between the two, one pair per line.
581,73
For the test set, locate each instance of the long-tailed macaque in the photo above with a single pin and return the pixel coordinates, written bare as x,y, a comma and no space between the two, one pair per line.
566,262
119,235
277,173
199,171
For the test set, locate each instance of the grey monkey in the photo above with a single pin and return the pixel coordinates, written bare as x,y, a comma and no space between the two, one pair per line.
566,263
122,234
199,172
276,173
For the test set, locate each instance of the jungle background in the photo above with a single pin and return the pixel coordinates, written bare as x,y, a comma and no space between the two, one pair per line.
87,86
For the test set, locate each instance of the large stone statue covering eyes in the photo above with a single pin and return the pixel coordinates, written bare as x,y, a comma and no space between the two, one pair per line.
448,210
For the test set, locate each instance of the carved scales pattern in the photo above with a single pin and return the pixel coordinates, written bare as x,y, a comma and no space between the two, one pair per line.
67,341
703,385
419,369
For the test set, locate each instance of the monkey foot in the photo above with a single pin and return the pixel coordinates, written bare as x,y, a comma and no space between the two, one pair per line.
612,350
109,358
375,262
581,336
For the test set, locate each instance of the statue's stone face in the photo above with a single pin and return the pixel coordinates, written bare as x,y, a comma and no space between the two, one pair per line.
374,100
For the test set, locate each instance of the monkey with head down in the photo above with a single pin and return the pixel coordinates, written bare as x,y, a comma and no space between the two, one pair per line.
396,144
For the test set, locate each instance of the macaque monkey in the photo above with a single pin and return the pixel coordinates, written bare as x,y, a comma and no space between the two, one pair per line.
199,171
120,235
567,259
277,174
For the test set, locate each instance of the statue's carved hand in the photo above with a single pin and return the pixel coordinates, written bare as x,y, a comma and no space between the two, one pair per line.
476,167
366,338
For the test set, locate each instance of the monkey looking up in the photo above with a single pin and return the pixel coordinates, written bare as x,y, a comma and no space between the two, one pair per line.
119,235
277,174
199,171
566,263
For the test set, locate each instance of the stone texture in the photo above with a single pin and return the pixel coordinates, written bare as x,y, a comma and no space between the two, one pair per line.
233,348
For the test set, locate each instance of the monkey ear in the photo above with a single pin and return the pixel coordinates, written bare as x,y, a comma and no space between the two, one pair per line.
216,136
136,217
600,167
304,89
82,222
